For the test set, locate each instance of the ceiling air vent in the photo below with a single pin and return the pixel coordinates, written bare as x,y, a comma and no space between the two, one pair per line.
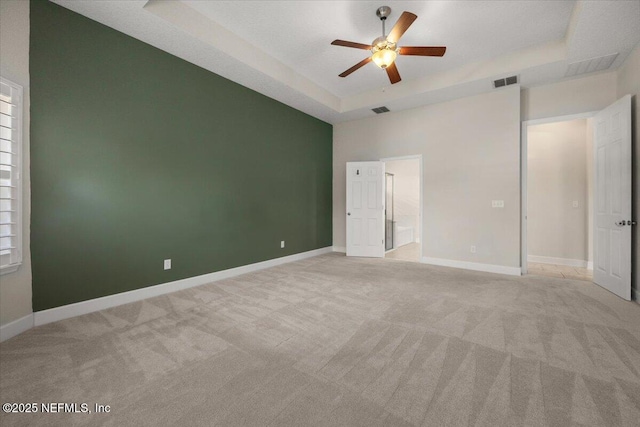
590,65
511,80
505,82
380,110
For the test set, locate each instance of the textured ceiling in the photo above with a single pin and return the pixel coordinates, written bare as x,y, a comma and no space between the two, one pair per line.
282,48
299,33
603,26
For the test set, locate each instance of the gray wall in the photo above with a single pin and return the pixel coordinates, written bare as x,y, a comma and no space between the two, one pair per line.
15,289
557,176
471,152
572,96
461,141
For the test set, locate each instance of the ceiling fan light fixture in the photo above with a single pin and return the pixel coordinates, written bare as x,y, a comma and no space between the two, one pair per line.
384,49
384,57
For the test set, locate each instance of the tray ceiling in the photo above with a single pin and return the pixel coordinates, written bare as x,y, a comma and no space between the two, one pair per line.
282,48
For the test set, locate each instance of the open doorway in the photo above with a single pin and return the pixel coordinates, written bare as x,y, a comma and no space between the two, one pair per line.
403,208
559,199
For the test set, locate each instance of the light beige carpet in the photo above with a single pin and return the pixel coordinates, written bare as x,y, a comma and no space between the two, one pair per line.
338,341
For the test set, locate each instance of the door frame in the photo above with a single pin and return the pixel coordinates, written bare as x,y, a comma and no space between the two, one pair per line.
421,201
524,174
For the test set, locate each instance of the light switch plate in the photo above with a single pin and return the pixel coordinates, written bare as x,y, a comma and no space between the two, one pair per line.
167,264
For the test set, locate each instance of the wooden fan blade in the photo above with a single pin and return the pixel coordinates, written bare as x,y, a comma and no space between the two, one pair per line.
351,44
355,67
404,22
423,50
393,73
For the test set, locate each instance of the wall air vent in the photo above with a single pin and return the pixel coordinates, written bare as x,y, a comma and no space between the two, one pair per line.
380,110
505,82
590,65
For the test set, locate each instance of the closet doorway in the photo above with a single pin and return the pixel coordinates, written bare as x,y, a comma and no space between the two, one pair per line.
560,172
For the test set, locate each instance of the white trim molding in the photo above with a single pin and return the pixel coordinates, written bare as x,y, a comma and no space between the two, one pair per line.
559,261
475,266
556,119
16,327
340,249
10,268
84,307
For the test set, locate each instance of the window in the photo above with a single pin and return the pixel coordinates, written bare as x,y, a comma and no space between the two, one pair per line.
10,179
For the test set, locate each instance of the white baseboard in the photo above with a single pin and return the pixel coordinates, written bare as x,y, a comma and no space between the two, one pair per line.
16,327
559,261
340,249
589,265
489,268
84,307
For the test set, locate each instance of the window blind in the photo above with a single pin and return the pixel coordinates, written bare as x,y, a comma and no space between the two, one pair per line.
10,194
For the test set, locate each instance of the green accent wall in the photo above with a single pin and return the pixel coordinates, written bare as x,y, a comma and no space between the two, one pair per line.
138,156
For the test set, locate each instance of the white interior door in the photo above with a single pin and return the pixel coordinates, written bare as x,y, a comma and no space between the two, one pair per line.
612,202
365,209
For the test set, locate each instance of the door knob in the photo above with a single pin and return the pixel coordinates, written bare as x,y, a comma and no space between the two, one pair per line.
348,213
620,223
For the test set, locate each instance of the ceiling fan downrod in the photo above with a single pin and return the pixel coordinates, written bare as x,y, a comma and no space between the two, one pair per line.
383,12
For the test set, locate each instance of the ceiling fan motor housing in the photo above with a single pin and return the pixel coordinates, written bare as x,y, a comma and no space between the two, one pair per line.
384,52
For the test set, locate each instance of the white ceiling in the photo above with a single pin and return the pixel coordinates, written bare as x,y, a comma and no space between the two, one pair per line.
282,48
299,33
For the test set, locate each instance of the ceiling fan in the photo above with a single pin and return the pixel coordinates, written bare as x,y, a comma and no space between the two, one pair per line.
385,49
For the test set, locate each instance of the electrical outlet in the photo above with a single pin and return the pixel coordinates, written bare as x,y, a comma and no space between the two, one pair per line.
281,244
497,203
167,264
473,249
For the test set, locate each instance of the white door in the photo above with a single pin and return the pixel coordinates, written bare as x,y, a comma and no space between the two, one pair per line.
612,203
365,209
